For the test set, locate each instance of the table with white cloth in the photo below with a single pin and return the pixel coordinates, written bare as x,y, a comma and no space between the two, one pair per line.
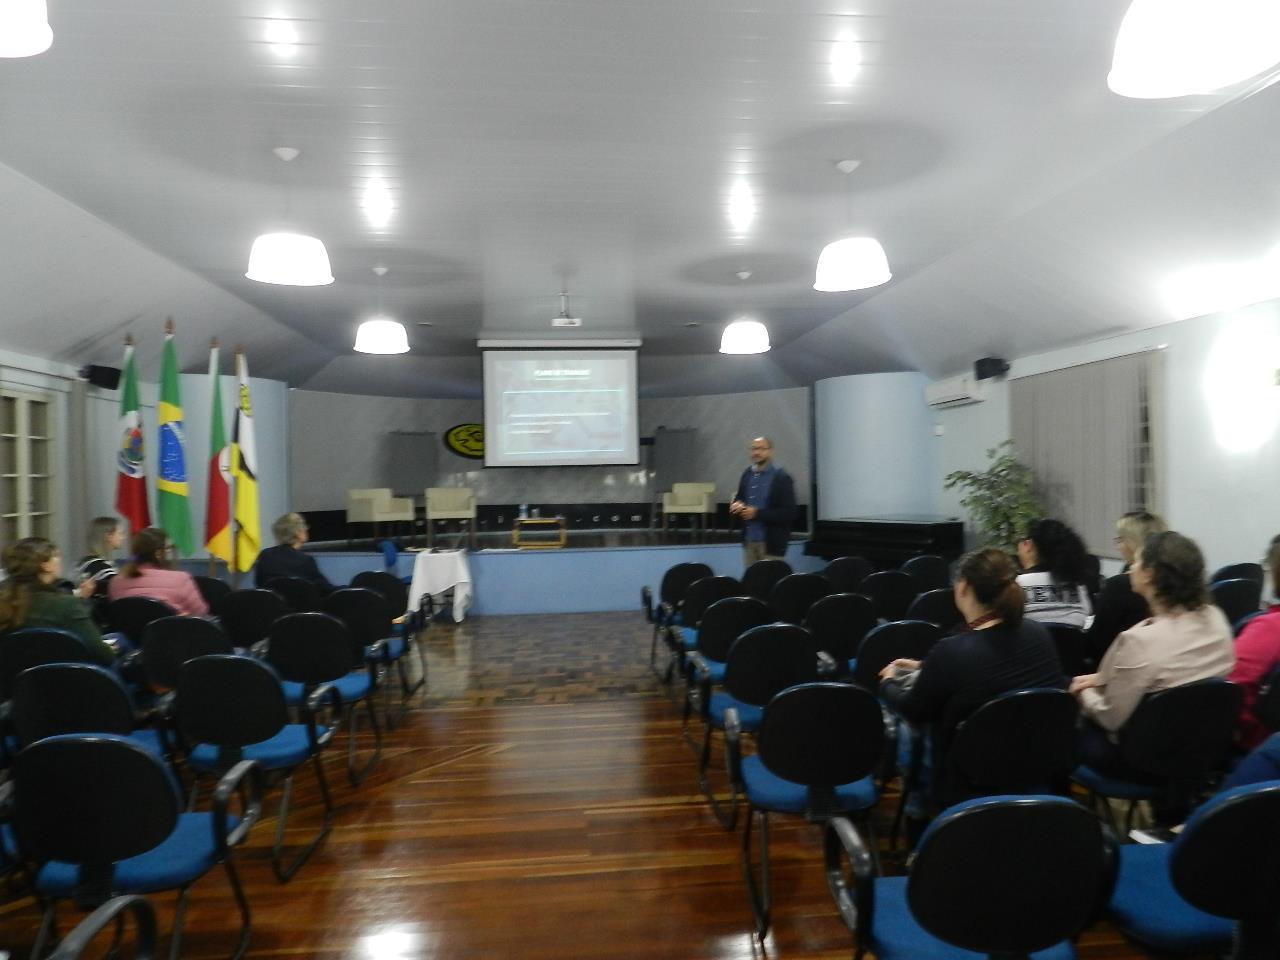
435,573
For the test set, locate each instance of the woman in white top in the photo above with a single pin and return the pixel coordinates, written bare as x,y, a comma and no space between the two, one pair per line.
1055,569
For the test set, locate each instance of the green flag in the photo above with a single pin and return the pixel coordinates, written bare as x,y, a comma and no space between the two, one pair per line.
175,513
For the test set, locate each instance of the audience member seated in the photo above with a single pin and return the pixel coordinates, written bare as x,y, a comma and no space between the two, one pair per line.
1187,638
29,597
998,651
105,538
1055,570
286,558
149,573
1118,607
1257,655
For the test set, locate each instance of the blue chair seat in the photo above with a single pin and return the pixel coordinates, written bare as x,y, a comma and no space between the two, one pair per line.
1090,779
149,740
749,716
352,687
768,791
185,855
288,748
897,935
1146,907
394,651
689,638
715,671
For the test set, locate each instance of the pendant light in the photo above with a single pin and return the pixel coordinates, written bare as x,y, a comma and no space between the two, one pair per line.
1177,48
380,334
852,263
745,336
289,259
24,28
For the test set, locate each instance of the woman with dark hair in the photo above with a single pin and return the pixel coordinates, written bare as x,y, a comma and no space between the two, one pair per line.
999,651
1257,657
1187,638
29,596
1055,570
150,574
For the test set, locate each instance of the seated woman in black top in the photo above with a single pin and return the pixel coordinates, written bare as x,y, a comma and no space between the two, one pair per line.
999,651
1119,608
286,558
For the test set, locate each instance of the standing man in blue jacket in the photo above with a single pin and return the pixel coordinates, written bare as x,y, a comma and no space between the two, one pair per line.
766,502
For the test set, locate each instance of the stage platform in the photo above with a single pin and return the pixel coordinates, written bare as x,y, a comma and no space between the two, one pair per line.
588,576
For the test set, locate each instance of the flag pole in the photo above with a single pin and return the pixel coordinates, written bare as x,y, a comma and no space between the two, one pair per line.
233,567
213,561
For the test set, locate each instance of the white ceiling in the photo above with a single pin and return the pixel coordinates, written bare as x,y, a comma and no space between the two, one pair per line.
530,145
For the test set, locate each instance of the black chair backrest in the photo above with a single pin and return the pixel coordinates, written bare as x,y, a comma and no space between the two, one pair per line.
766,660
1008,876
229,701
891,591
702,593
130,615
391,587
1019,742
366,613
912,639
936,606
1227,861
1237,598
675,582
846,573
56,698
247,615
170,642
213,590
30,647
1184,732
821,734
299,594
1073,648
759,578
838,623
929,571
726,620
91,799
312,648
792,596
1240,571
1267,707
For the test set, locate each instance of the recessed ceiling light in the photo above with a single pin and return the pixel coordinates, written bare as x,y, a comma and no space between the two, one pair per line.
282,37
743,274
693,323
848,166
742,206
425,323
844,61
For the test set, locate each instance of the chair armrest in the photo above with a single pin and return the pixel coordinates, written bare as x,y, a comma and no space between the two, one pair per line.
144,919
697,666
260,649
733,745
313,705
827,665
244,776
843,841
6,801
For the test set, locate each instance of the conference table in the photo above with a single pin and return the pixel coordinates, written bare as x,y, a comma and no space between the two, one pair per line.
435,573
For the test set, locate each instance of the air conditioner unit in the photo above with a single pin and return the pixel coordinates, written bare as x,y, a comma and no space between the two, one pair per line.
954,392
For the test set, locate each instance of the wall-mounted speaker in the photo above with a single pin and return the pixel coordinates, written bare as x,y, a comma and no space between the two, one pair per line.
989,367
106,377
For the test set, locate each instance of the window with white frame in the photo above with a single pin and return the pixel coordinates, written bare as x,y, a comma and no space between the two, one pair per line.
26,466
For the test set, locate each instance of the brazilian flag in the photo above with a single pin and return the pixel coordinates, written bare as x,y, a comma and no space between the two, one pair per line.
175,512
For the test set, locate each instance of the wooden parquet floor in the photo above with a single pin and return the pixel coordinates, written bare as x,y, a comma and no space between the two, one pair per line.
539,802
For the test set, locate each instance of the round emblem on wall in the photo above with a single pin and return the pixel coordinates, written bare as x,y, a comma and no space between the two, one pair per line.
466,440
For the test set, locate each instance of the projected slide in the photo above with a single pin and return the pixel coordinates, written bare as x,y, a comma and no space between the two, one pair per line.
560,407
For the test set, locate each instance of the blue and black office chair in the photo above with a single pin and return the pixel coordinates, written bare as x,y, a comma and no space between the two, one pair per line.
682,638
839,622
675,584
1237,598
1073,649
759,578
891,591
130,615
793,595
762,662
1000,877
1240,571
1176,741
300,594
900,639
929,571
1213,890
937,607
367,616
247,615
113,913
100,817
231,709
309,650
847,573
396,593
170,642
32,646
213,590
816,748
722,623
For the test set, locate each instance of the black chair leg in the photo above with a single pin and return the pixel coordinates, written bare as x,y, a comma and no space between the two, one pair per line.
758,893
179,920
48,932
284,872
242,902
357,776
726,814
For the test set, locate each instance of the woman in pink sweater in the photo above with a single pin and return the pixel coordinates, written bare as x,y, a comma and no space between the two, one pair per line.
150,574
1257,656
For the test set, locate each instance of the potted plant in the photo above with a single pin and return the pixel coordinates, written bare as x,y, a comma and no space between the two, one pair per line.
1001,500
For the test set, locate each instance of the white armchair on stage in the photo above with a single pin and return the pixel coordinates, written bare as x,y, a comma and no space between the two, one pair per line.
451,503
690,498
376,505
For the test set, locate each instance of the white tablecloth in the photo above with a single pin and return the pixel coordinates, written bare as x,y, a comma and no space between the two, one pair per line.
434,573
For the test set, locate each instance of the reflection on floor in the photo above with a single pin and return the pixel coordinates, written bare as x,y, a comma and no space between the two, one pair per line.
540,803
